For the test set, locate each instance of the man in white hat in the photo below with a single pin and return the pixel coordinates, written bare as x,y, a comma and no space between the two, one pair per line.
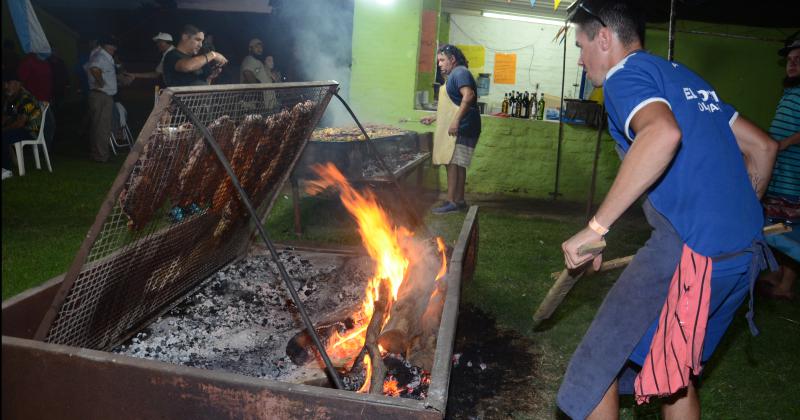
253,70
164,43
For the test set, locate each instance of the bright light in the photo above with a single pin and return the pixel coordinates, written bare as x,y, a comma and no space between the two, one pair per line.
385,2
520,18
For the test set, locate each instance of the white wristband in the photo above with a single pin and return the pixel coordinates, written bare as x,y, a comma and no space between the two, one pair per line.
597,227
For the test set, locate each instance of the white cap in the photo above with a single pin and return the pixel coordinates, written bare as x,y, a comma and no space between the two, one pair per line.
163,36
254,42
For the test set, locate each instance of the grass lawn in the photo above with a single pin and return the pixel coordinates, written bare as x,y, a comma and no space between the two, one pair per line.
45,217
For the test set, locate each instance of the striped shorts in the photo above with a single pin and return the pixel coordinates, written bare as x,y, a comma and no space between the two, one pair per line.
462,155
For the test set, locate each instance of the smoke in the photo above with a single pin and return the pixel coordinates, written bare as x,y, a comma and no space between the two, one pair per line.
320,33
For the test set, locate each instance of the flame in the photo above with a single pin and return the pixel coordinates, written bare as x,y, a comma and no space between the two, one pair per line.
389,246
367,377
390,388
443,250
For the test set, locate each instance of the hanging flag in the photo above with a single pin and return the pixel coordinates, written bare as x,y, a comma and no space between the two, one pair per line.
30,33
533,3
555,4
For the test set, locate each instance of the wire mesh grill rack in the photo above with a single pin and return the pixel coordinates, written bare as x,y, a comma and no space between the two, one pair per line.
172,216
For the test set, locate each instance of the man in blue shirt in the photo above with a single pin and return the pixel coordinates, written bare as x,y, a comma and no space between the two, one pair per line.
703,168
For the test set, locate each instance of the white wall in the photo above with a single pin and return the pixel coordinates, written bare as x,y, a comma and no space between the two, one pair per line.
539,58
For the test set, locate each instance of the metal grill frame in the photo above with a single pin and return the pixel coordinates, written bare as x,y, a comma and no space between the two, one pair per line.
81,263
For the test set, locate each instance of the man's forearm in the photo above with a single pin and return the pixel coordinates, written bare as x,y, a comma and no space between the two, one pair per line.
759,152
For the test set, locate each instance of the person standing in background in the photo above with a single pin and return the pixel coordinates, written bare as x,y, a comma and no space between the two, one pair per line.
163,42
459,125
184,65
253,69
37,76
102,74
782,201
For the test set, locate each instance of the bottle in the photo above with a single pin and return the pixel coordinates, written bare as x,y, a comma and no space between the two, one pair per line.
504,106
540,108
513,103
526,110
534,106
520,105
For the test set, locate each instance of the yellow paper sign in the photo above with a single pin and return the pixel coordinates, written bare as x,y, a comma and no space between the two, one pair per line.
475,54
555,4
505,68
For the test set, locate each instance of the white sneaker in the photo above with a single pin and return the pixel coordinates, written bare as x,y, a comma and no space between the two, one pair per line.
7,173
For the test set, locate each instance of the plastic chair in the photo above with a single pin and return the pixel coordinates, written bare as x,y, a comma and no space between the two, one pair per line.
123,136
38,141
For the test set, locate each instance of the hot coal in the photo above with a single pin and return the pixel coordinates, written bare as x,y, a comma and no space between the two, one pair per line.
409,381
241,318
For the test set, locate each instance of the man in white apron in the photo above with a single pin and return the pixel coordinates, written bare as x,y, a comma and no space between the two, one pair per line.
460,125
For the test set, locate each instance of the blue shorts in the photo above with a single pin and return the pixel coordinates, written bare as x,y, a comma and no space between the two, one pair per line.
729,288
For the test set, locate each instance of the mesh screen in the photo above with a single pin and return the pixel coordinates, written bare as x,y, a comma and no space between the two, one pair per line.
176,217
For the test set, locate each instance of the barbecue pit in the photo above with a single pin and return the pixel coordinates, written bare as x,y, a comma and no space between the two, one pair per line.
163,230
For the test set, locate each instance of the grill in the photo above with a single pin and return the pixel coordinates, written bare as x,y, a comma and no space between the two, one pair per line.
171,219
172,216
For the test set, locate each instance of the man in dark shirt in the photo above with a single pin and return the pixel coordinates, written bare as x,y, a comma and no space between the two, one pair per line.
22,117
183,66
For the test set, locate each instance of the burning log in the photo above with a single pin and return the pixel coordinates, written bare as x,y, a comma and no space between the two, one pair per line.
423,347
300,348
409,309
378,369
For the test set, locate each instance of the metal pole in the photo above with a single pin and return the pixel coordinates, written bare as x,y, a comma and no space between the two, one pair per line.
555,193
593,183
672,18
418,219
254,215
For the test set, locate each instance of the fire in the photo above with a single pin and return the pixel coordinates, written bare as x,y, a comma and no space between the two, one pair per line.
367,377
442,250
389,246
390,388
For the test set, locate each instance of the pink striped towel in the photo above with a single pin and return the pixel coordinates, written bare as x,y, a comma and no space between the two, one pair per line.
678,342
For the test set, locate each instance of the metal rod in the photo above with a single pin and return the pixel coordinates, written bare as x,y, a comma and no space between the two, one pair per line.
418,219
555,193
593,183
254,215
672,18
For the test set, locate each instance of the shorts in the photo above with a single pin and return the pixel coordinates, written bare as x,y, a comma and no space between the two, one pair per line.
462,155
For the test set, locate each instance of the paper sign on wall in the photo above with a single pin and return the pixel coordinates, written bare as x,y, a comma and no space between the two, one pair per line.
505,68
475,54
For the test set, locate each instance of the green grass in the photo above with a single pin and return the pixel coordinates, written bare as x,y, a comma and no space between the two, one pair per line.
45,217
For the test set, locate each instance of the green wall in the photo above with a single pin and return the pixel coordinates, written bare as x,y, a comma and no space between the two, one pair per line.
385,52
744,72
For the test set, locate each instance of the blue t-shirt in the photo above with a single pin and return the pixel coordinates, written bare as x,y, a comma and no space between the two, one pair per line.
785,180
470,125
705,192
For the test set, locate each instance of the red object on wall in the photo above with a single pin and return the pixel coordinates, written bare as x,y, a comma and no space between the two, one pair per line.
427,41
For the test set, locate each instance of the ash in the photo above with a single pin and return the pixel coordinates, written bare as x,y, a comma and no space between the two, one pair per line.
395,162
240,319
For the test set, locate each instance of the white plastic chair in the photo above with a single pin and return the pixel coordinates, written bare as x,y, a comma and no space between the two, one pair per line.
124,137
39,141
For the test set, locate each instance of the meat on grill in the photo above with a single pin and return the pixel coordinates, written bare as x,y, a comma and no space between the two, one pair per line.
154,176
